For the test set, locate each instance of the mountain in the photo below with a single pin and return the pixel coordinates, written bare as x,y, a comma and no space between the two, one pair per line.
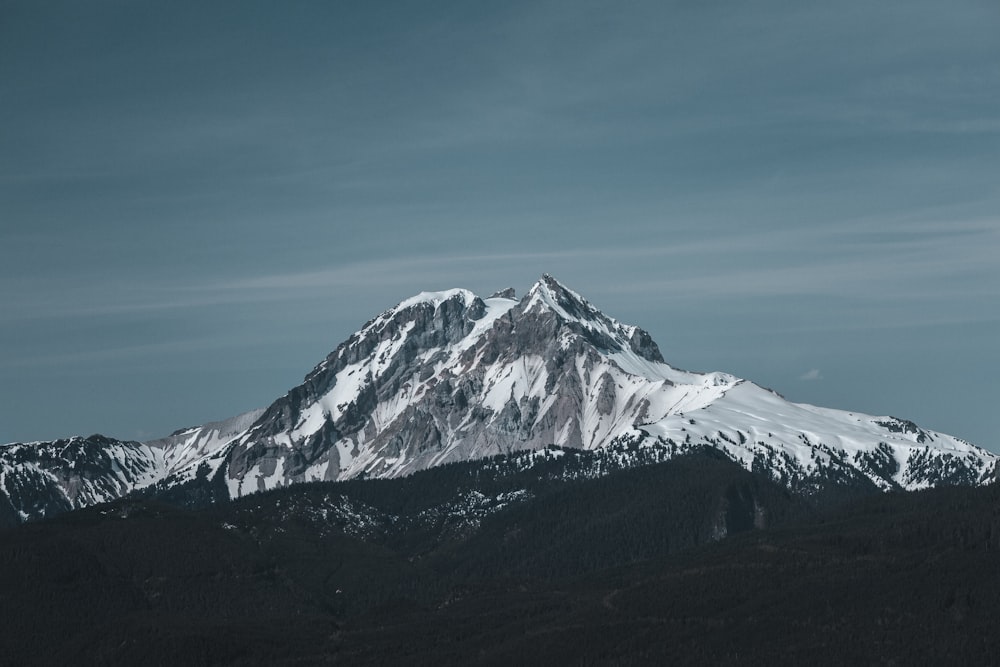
448,376
39,479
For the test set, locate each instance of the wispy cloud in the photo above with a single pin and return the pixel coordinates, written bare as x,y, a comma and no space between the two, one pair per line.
942,265
810,375
133,353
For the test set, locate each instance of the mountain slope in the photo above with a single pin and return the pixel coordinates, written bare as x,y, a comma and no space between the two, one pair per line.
185,450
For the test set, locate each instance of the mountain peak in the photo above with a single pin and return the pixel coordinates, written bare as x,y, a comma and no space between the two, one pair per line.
550,294
549,285
437,298
553,295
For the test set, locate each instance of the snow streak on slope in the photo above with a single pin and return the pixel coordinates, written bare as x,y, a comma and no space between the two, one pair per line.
186,450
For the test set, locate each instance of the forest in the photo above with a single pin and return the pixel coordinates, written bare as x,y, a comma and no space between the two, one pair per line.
690,561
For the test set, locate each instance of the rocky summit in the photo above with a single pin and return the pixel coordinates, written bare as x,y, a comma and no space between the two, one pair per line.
449,376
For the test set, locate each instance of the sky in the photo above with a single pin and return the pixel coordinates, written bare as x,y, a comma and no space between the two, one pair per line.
200,200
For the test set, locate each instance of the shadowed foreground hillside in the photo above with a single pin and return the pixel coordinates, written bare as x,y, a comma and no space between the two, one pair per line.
624,569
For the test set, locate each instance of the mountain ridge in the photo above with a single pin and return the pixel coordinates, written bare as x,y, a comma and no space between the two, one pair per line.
448,376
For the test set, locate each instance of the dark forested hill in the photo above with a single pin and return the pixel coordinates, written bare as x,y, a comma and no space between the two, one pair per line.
694,561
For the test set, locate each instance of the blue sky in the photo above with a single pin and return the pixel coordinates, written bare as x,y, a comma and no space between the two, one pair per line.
198,201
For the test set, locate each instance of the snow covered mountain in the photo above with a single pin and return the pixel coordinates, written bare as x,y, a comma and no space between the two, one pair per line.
39,479
448,376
